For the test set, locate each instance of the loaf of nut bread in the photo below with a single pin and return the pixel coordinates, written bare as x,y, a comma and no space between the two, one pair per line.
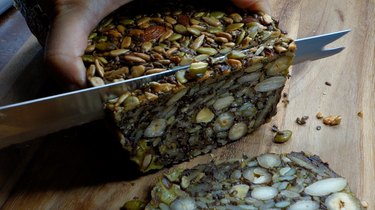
292,181
214,102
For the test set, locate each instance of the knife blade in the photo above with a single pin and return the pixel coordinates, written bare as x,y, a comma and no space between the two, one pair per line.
30,119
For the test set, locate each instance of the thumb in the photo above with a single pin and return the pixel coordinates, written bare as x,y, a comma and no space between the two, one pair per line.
67,38
254,5
66,43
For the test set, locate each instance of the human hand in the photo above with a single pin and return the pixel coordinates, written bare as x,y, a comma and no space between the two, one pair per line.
73,22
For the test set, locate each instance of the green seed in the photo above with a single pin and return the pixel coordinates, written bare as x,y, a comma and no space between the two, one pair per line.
240,37
236,54
198,68
175,37
282,136
199,27
185,61
102,60
92,35
146,46
107,22
207,50
197,42
194,31
217,14
127,22
131,103
225,50
194,21
199,14
234,26
212,21
134,205
105,46
201,57
266,35
215,30
102,38
253,30
254,67
236,17
180,29
88,58
118,52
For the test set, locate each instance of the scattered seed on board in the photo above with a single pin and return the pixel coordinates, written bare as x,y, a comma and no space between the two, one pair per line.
282,136
319,115
302,120
332,120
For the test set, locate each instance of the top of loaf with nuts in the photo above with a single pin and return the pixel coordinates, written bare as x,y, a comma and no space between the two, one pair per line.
125,46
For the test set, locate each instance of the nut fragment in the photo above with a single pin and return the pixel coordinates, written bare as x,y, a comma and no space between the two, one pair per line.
212,21
156,128
237,131
332,120
223,103
153,33
257,175
198,68
205,115
305,205
197,42
326,186
96,81
264,193
364,204
319,115
137,71
131,103
133,58
207,50
269,160
224,122
126,42
341,200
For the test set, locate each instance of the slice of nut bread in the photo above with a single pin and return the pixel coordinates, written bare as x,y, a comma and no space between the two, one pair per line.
291,181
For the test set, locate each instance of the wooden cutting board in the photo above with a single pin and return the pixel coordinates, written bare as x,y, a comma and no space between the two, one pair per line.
84,168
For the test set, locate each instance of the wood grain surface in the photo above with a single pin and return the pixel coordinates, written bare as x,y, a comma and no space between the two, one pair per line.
84,168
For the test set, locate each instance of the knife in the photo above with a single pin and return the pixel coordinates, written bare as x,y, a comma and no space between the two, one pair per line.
30,119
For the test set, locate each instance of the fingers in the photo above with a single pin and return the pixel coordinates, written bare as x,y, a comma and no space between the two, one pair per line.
67,38
254,5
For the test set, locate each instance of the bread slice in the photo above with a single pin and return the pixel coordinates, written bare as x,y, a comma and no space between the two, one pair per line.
215,102
292,181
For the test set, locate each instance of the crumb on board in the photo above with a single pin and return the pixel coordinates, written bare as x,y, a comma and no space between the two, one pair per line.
332,120
302,120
